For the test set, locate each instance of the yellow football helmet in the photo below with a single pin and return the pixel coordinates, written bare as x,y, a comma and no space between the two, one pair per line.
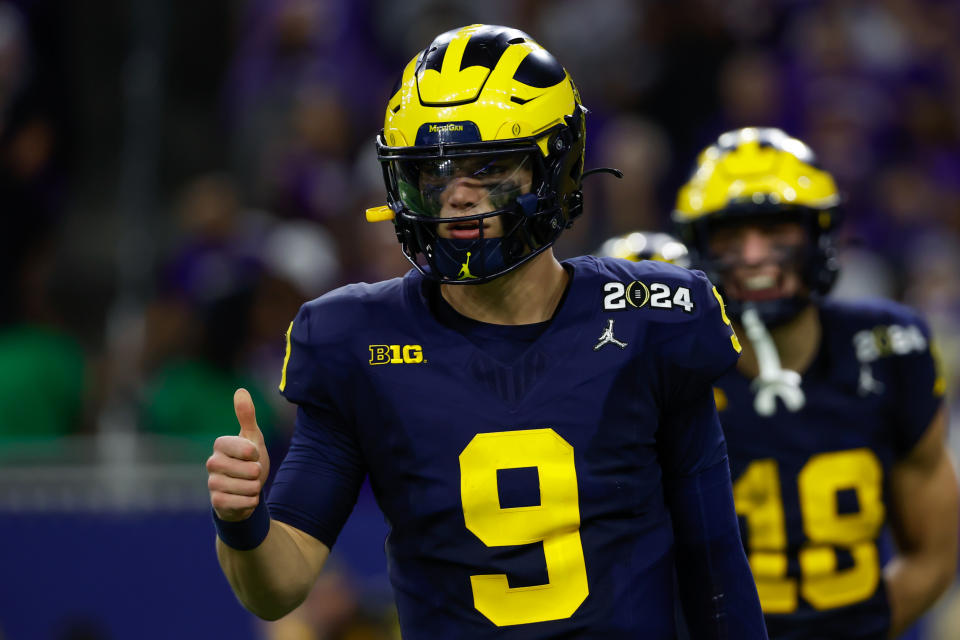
487,104
761,174
646,245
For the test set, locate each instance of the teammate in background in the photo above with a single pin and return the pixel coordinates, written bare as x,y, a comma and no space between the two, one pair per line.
833,415
540,436
646,245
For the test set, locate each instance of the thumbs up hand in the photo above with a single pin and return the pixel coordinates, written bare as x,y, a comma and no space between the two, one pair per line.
239,465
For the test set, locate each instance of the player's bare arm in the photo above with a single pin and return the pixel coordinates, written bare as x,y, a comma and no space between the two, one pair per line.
924,501
274,577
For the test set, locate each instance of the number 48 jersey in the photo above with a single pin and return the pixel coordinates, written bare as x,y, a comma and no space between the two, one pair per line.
809,486
524,494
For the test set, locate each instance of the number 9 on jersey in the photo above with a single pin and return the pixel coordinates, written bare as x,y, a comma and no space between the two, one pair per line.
555,522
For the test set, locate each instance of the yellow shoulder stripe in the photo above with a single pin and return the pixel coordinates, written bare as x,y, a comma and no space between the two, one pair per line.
734,340
286,360
940,379
719,398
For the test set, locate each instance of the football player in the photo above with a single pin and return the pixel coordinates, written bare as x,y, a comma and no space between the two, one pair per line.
541,436
833,415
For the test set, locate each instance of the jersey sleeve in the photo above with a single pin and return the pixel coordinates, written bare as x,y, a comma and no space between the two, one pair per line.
717,590
716,586
918,380
316,362
317,483
693,355
704,348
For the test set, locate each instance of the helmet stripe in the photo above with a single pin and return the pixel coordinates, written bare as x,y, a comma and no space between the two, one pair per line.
540,69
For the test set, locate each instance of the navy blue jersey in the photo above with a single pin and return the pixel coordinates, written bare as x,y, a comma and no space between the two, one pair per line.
809,486
525,498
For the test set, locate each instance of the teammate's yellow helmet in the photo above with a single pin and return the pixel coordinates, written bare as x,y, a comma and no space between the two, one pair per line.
761,174
646,245
490,103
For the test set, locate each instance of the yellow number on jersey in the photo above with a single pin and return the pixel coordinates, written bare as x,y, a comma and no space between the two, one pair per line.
823,586
555,522
757,497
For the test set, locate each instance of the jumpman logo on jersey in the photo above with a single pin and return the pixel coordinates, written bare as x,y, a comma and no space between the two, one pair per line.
868,384
465,270
607,338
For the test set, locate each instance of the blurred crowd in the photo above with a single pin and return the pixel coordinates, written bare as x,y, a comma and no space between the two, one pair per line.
142,282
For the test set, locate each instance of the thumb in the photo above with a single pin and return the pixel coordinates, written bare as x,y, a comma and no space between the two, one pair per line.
247,416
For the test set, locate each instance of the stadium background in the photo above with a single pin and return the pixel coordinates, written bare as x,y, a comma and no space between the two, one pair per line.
177,177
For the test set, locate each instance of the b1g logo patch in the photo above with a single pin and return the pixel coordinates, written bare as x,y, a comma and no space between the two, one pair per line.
636,294
396,354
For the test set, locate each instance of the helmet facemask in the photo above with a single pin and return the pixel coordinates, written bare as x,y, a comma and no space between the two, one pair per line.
467,213
799,258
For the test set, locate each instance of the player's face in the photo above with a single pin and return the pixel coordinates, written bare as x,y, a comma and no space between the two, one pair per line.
459,187
760,261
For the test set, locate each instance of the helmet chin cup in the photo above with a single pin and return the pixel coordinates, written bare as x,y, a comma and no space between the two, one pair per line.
465,260
477,260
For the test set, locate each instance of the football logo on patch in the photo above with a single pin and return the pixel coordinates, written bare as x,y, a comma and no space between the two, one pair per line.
638,295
